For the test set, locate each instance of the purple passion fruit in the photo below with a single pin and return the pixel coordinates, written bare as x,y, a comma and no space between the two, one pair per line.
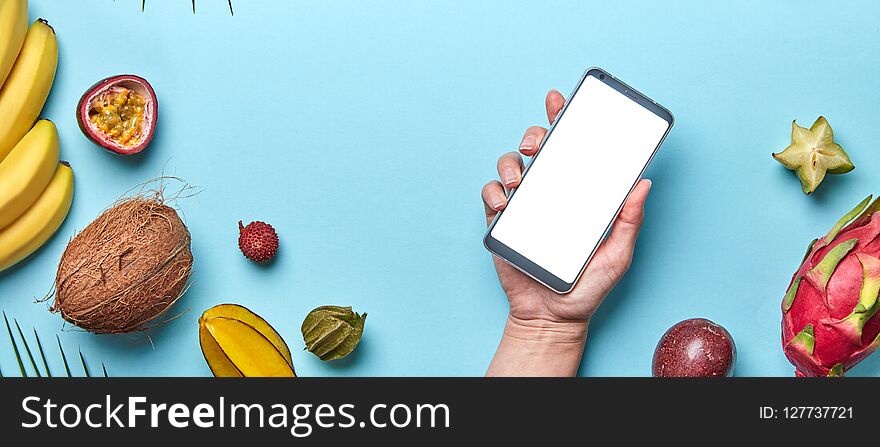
695,348
119,114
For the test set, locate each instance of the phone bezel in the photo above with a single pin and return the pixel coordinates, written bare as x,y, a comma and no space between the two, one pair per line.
524,264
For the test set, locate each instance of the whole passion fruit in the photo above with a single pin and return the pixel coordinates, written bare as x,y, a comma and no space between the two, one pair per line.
695,348
119,114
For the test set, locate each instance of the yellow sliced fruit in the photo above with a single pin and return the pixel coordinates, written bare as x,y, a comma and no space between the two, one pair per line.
244,347
239,343
245,315
220,365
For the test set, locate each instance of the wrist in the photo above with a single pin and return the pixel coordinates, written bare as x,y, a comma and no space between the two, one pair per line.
547,332
535,347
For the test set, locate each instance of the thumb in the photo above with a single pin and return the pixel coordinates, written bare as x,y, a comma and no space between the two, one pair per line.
626,228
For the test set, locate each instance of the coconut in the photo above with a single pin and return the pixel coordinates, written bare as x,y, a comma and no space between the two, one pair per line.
125,269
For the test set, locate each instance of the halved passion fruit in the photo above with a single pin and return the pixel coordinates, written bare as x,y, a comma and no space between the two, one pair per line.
119,114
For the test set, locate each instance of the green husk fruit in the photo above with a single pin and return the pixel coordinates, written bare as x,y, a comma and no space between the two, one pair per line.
333,332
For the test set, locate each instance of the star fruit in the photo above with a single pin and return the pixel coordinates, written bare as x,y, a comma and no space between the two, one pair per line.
812,153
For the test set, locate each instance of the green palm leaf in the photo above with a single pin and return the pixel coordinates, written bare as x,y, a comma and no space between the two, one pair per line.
85,366
14,346
27,349
42,353
63,357
144,4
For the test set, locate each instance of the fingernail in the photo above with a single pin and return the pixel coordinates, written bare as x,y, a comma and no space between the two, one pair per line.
497,201
509,176
650,183
528,142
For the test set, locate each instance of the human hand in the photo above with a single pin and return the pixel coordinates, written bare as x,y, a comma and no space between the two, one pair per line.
536,312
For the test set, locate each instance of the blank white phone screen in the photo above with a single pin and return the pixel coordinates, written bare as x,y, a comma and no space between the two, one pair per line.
578,181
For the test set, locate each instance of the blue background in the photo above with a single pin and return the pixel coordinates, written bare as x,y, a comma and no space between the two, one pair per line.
363,131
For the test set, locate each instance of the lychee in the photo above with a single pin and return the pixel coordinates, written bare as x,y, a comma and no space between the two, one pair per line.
257,241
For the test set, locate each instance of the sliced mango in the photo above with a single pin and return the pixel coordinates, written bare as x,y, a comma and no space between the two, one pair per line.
245,315
238,343
220,365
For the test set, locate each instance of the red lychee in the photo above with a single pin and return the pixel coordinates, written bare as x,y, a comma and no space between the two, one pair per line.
257,241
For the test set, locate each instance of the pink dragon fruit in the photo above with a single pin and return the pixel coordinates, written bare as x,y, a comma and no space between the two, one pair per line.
829,321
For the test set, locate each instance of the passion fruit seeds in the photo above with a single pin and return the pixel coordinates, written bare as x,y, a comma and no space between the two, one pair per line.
119,114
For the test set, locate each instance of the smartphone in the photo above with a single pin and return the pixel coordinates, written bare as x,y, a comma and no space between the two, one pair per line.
593,155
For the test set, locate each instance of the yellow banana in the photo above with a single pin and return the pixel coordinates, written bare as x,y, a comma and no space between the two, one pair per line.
26,171
40,222
27,87
13,28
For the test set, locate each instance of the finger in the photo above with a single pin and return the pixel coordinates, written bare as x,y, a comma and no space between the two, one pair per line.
626,228
533,137
554,103
494,199
510,167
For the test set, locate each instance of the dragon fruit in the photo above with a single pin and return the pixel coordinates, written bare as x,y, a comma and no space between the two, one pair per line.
829,313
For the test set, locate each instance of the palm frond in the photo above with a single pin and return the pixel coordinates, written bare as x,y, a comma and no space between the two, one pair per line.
27,348
22,342
229,2
42,354
63,357
84,365
14,346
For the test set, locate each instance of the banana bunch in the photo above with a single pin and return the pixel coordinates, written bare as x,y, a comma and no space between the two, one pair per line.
36,189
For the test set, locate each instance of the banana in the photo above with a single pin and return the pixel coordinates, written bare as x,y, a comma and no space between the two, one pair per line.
40,222
26,171
13,28
27,87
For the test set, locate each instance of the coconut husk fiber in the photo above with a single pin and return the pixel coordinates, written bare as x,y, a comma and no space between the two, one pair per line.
125,269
